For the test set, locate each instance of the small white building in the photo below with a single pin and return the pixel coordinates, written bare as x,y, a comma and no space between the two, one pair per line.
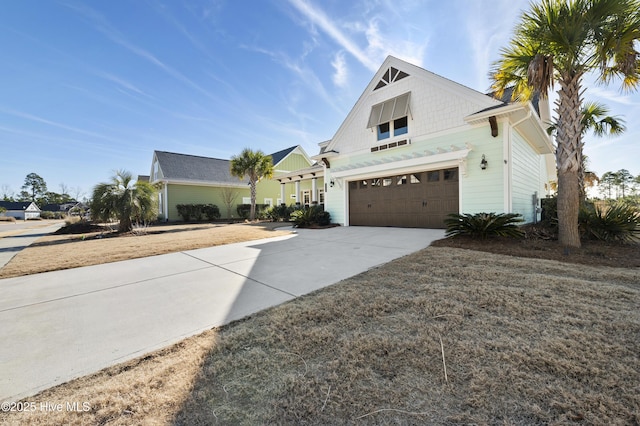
20,209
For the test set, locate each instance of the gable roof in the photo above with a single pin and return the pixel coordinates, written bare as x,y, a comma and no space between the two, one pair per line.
17,205
194,168
375,92
185,167
277,157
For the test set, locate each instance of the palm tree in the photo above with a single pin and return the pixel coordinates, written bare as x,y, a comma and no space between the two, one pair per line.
595,117
125,200
255,165
560,41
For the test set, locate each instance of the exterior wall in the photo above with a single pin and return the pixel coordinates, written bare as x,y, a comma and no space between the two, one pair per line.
480,190
483,190
192,194
526,177
271,189
291,163
18,214
436,105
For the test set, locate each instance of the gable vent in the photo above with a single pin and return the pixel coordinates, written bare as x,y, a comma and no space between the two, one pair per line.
390,76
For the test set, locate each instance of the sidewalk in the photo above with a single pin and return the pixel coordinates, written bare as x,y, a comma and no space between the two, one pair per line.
66,324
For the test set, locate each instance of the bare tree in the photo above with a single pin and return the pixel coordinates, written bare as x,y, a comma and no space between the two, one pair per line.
229,196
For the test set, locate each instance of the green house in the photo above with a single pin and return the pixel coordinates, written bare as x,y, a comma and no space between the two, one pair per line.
192,179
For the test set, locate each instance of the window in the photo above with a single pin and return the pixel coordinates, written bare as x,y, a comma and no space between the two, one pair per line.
306,196
383,131
321,196
391,115
375,182
433,176
415,178
246,200
387,182
451,174
400,126
402,180
268,201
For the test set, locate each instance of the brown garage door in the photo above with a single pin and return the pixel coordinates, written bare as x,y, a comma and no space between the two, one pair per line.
412,200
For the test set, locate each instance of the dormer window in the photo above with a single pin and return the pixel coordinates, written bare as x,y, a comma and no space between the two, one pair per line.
391,117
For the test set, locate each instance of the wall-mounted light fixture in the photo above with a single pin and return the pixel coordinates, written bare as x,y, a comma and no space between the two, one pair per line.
483,163
331,183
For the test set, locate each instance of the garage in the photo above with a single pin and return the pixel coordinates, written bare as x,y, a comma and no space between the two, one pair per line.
411,200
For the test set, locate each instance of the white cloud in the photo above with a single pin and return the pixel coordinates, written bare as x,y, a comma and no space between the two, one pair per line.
486,34
610,95
341,74
319,18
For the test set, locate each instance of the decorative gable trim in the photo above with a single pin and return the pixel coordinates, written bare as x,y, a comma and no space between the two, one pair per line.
391,75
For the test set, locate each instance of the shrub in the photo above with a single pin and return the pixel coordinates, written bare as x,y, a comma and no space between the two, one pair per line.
310,216
483,225
245,209
189,212
549,215
211,211
279,213
619,222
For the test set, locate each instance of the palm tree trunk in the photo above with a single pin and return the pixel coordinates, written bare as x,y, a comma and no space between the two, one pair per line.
252,215
568,152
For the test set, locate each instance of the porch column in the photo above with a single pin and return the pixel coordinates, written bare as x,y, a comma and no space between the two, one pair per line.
282,200
314,190
298,192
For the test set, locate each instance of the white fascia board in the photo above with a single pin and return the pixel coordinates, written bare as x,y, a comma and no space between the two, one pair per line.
435,161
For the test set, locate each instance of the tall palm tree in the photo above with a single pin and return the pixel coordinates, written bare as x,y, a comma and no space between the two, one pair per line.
255,165
560,41
125,200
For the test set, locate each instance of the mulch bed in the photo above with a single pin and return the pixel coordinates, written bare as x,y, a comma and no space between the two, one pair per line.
81,228
591,253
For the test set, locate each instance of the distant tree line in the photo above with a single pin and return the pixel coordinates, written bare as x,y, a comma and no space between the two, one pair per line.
620,184
35,189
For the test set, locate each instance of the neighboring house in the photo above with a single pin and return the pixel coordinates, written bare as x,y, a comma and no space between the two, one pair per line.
191,179
63,208
417,146
20,209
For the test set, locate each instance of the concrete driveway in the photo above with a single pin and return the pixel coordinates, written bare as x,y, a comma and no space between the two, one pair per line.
65,324
16,236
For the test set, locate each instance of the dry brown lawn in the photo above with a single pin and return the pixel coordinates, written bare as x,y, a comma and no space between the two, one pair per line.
442,336
55,252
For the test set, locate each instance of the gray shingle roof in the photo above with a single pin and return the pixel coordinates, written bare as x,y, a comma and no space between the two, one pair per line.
506,99
195,168
185,167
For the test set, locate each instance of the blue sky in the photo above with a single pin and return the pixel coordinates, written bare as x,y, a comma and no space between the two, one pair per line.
91,87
